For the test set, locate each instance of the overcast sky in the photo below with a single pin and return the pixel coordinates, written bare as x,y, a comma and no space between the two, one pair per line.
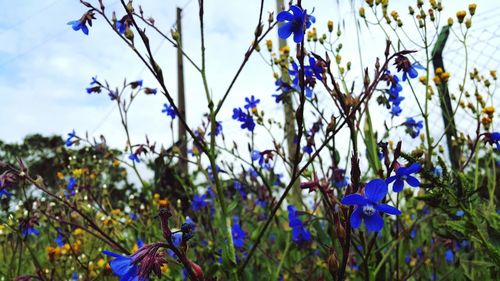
45,66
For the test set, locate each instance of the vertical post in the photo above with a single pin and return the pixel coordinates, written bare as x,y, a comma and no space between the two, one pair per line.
289,112
181,102
445,100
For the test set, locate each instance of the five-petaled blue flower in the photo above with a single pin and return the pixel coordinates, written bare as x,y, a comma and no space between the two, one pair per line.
169,110
493,138
198,202
367,207
300,234
124,267
238,233
403,174
297,22
251,103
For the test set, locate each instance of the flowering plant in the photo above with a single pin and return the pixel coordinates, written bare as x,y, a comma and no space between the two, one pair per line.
317,195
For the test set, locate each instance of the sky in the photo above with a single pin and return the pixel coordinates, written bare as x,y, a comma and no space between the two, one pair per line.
45,66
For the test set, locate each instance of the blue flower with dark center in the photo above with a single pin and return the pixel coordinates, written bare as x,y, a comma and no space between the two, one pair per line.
308,74
403,174
297,22
238,233
71,184
300,234
413,127
169,110
69,140
246,120
315,69
368,207
198,202
188,228
30,230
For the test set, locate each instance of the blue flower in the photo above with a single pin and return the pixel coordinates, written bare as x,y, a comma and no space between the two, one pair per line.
124,267
30,230
460,213
403,174
198,202
367,207
71,184
300,234
59,240
307,149
297,21
409,70
449,256
188,228
238,234
79,24
308,74
169,110
493,138
3,192
413,127
176,239
246,119
239,187
69,140
251,103
134,157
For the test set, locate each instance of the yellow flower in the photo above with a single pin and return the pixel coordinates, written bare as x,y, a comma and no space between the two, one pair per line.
77,173
285,50
164,268
445,76
60,175
101,263
439,71
450,21
436,80
77,232
116,163
361,13
489,110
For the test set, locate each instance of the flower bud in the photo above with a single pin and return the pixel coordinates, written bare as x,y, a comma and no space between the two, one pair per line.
468,23
461,16
450,21
333,263
362,12
472,9
330,26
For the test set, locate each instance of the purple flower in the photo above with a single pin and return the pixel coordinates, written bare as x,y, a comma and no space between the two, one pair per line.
403,174
297,22
367,207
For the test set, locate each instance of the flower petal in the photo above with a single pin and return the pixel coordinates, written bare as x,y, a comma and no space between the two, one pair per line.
414,168
285,31
376,190
353,199
388,209
412,181
398,185
356,218
284,15
390,179
297,12
298,35
374,223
